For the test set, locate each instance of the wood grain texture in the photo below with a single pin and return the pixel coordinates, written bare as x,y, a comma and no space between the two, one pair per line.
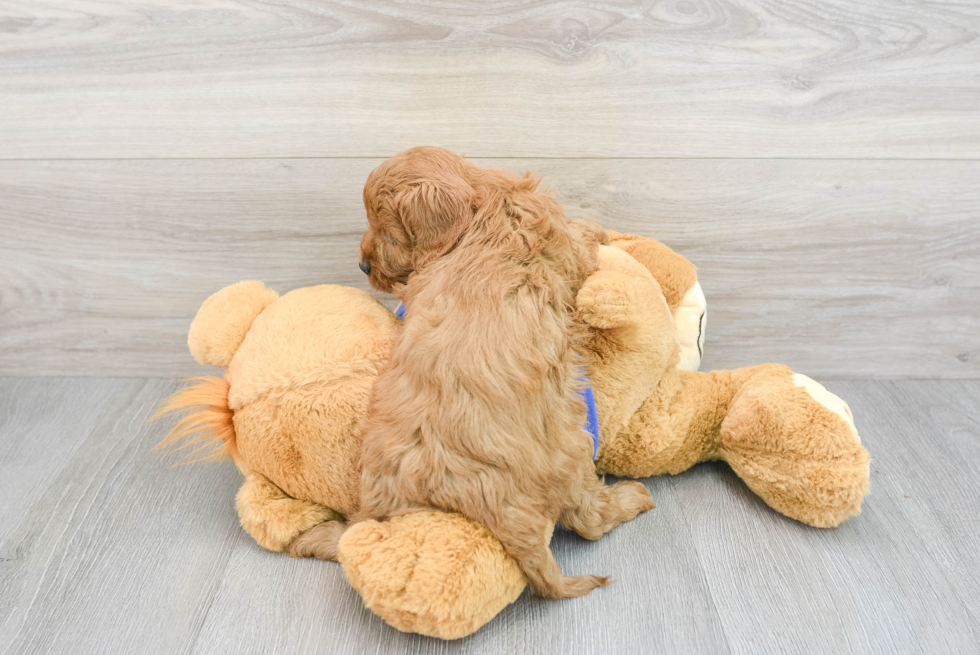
682,78
836,268
118,552
875,583
934,480
43,421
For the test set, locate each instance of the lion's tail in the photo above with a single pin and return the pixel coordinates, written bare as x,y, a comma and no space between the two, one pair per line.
215,335
206,424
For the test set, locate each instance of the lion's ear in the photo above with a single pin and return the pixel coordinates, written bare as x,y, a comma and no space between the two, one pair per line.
434,215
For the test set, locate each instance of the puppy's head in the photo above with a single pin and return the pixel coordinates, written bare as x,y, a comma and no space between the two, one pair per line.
418,205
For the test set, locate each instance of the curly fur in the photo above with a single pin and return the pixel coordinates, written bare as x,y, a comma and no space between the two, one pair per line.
477,412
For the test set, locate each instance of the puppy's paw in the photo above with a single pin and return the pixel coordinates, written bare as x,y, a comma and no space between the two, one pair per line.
633,498
606,300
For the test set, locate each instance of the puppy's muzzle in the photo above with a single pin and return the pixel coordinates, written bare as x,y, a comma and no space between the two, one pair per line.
366,267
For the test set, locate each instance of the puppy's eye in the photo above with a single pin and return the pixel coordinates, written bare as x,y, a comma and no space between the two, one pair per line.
391,240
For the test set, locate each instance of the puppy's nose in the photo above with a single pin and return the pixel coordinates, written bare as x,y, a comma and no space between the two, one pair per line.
366,267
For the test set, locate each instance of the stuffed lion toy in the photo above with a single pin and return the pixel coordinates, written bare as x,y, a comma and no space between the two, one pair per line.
298,375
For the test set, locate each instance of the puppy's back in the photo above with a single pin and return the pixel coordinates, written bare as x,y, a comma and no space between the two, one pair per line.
482,381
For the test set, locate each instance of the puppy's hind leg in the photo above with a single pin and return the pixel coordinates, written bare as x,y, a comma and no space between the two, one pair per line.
320,541
600,507
525,538
272,517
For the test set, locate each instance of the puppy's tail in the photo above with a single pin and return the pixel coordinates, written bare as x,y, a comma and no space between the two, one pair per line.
207,421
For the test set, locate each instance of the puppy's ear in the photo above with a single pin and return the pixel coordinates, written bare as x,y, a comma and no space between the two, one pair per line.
434,215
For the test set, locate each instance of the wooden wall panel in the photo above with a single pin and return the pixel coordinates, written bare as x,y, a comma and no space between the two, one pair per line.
837,268
686,78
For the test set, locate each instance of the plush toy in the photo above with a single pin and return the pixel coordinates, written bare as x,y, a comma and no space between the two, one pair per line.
299,371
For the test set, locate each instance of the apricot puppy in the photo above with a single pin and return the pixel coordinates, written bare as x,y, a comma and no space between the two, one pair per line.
477,412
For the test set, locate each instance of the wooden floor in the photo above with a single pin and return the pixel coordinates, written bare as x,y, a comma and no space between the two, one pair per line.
105,547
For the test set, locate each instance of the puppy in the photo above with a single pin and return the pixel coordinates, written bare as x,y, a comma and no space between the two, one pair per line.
477,412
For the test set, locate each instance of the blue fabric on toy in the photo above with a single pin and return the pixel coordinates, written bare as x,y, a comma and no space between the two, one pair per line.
591,415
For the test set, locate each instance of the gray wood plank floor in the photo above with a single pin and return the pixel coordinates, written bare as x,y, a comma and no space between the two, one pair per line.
105,547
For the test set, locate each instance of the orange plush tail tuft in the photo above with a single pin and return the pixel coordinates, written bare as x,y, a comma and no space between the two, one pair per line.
207,423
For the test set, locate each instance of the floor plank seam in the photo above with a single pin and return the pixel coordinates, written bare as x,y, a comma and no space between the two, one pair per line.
704,579
192,648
